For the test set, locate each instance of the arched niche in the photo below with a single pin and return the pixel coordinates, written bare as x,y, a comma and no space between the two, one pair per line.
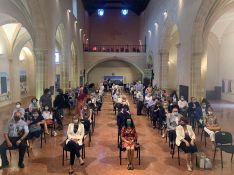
114,67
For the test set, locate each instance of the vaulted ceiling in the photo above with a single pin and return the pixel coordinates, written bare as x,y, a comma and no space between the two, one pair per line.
137,6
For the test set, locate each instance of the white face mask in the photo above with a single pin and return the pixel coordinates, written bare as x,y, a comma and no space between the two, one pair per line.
46,108
18,106
76,121
175,113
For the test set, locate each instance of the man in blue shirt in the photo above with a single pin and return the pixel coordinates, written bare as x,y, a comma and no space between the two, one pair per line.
14,134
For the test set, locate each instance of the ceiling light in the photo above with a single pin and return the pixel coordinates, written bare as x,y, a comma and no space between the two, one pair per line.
124,12
100,12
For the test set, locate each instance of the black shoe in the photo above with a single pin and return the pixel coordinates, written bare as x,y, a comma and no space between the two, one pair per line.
4,166
129,167
21,165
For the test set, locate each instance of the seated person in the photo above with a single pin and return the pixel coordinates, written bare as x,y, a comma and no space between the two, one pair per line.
211,125
162,120
98,98
122,116
86,113
18,108
156,113
124,101
34,105
185,139
34,124
129,138
15,134
172,122
75,135
47,115
183,106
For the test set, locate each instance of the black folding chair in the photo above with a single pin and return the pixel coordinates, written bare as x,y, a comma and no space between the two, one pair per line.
223,141
65,150
137,149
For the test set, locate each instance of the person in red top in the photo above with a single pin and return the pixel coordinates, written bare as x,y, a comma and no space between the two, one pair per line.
129,138
80,101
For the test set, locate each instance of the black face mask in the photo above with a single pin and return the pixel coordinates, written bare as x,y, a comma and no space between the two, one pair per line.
17,118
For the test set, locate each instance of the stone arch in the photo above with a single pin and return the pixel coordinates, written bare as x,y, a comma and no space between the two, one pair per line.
114,59
164,49
61,71
207,15
16,36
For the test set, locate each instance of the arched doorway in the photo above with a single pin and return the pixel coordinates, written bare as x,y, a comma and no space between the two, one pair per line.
116,69
218,62
61,79
212,51
17,61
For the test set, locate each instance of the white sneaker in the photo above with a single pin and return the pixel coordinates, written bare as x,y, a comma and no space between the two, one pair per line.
189,168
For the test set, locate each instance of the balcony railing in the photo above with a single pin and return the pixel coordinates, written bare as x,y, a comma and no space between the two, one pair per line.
114,48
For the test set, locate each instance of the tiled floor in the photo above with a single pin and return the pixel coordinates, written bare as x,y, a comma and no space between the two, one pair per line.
102,156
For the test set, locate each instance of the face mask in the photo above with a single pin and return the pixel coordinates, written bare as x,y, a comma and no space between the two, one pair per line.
35,115
76,121
34,101
182,99
175,113
17,118
89,102
182,124
129,123
18,106
210,113
46,108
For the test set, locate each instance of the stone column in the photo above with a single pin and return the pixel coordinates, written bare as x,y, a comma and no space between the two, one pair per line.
40,55
197,85
164,58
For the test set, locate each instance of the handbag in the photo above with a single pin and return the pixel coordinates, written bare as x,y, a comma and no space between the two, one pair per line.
208,163
203,162
200,160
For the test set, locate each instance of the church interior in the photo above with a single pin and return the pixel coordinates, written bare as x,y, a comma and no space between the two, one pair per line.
117,67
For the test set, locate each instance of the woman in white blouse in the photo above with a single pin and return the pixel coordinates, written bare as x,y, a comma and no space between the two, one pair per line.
74,142
185,138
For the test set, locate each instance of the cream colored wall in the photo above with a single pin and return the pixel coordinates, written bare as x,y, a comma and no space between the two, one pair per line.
116,68
180,13
213,59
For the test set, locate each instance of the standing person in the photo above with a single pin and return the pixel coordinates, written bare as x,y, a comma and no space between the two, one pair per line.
15,134
129,139
59,103
185,138
193,111
140,102
45,99
80,100
75,135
